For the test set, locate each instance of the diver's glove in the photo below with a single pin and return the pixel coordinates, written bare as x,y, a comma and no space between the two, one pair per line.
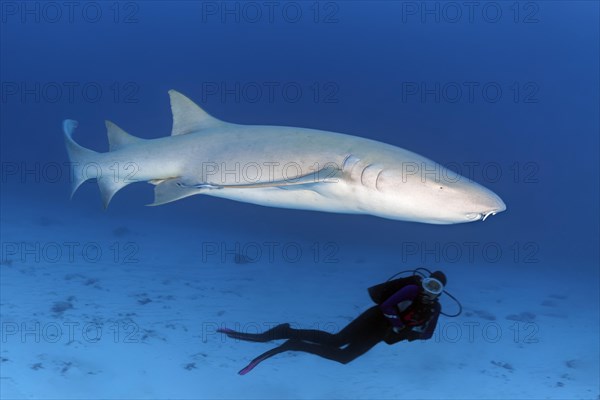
397,324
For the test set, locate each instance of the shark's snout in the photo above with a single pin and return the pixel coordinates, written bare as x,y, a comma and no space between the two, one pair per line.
497,205
496,208
487,203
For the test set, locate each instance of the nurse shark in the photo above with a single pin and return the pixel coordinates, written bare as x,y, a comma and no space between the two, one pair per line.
278,166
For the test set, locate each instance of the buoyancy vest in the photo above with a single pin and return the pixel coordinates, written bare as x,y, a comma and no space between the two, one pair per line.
417,313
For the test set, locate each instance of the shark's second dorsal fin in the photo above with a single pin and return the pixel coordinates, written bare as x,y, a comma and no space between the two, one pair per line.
118,138
188,116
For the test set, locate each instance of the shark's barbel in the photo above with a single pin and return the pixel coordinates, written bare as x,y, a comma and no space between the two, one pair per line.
280,167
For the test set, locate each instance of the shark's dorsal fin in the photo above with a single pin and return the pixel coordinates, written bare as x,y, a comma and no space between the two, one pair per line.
188,116
118,138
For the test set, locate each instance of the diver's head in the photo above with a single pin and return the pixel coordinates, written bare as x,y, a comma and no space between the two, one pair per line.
433,286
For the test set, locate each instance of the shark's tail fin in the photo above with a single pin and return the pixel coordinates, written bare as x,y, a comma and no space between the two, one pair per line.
87,164
81,158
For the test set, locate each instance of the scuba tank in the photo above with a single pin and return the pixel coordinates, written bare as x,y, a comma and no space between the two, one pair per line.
380,293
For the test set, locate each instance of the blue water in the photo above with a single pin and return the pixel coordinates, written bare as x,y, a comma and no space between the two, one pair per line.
505,93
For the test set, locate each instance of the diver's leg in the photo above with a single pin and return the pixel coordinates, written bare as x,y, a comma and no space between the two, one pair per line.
371,320
368,320
344,356
278,332
359,346
284,331
360,336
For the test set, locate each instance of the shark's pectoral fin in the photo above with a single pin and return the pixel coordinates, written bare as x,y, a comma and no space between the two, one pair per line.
329,174
173,189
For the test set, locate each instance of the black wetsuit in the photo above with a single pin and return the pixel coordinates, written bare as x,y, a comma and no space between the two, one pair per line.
418,321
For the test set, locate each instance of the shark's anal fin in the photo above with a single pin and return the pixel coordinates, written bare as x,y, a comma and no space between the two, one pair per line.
109,186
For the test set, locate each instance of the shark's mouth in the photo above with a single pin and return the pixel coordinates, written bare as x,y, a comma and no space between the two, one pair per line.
487,215
480,216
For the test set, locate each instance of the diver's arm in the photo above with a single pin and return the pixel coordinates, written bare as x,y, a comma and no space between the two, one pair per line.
390,306
432,323
427,329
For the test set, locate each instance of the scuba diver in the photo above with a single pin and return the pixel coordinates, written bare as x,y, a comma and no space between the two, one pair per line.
406,309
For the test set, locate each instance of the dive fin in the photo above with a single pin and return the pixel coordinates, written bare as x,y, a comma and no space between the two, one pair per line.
288,345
